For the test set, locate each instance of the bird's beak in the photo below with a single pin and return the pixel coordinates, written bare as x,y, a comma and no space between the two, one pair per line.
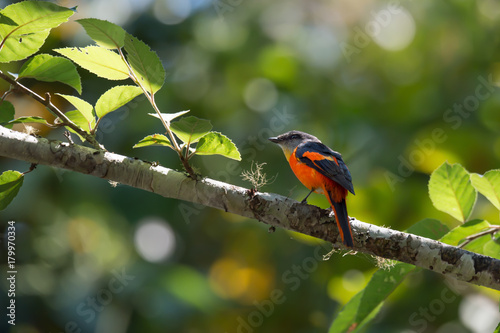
274,139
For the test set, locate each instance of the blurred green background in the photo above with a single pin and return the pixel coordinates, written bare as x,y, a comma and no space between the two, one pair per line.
397,87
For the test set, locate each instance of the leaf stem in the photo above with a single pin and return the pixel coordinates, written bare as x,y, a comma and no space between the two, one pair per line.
166,124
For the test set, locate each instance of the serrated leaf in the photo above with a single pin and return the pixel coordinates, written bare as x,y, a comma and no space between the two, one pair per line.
32,17
168,117
85,108
215,143
78,118
98,60
145,64
21,47
10,183
366,304
488,185
115,98
455,236
191,129
25,26
104,33
451,191
44,67
154,140
7,113
31,119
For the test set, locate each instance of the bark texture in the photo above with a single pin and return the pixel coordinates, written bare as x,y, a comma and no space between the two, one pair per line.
272,209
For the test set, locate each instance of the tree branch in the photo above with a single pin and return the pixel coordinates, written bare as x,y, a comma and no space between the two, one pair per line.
272,209
52,108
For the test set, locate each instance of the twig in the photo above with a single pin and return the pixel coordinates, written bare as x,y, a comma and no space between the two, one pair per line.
492,230
32,167
67,134
65,121
166,124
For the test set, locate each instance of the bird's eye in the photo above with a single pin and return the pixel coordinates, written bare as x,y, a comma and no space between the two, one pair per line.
294,136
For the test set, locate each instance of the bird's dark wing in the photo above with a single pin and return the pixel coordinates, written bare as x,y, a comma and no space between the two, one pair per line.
326,161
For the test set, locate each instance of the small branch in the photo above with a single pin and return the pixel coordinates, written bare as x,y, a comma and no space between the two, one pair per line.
151,99
492,230
52,108
32,167
271,209
67,134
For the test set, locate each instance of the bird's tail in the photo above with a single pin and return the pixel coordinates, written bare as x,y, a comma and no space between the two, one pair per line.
340,209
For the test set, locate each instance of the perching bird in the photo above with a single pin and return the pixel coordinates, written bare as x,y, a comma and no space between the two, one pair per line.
321,170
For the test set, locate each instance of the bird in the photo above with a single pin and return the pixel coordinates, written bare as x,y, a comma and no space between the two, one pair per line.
321,170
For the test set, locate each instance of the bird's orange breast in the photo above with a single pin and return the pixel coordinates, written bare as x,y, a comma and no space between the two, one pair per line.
311,178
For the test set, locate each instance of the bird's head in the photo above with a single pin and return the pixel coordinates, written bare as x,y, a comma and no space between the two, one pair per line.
290,140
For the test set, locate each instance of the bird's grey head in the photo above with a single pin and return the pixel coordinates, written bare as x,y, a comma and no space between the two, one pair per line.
290,140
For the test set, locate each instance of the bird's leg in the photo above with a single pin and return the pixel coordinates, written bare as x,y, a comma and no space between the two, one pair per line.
307,196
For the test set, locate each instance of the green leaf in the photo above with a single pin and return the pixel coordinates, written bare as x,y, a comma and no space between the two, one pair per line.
84,107
7,112
154,140
492,247
145,64
168,117
451,191
104,33
115,98
478,244
25,26
456,235
365,305
217,143
21,47
429,228
488,185
497,330
191,129
32,119
77,117
98,60
45,67
32,17
10,183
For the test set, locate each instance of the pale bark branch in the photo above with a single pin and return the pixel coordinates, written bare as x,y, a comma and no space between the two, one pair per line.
272,209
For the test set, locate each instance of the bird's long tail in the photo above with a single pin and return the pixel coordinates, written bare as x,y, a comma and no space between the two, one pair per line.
340,209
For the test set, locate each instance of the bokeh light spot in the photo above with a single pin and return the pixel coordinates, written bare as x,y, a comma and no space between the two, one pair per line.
479,313
396,32
353,280
154,240
260,95
231,280
172,11
216,35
